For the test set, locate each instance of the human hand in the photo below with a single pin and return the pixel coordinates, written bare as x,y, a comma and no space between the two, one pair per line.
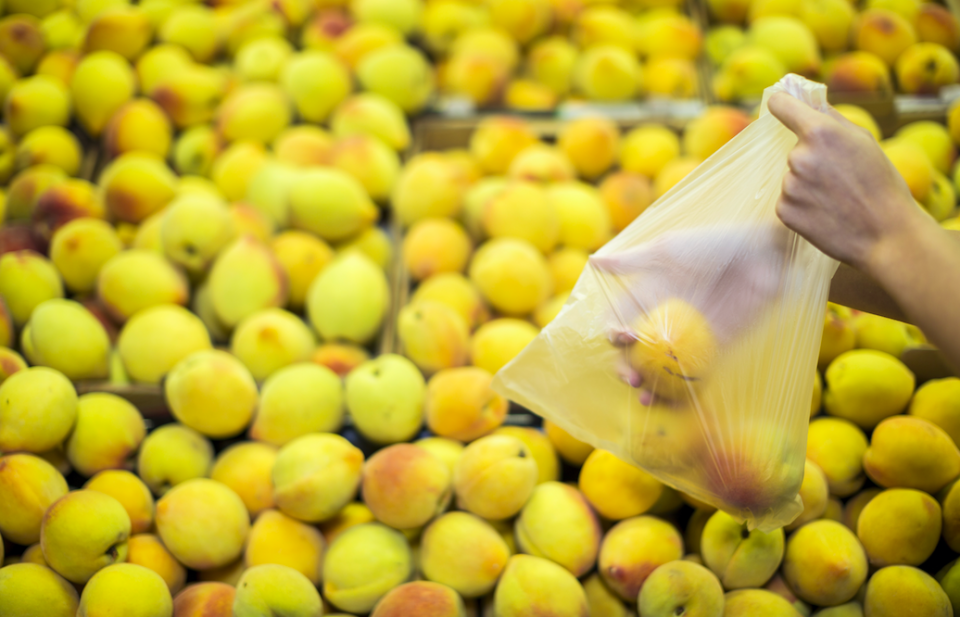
841,192
728,275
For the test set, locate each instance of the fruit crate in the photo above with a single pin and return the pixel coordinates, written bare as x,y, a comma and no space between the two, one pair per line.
453,107
891,110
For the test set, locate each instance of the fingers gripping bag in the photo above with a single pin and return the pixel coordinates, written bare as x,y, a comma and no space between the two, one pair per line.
689,343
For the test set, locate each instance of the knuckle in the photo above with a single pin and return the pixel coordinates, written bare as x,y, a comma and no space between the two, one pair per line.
791,186
785,212
821,132
802,161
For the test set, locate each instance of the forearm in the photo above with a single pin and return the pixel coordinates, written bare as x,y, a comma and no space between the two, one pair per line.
851,287
920,269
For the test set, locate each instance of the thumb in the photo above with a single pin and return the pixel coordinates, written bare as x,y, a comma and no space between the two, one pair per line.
794,113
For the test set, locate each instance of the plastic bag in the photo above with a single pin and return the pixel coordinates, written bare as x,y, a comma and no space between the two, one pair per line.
689,343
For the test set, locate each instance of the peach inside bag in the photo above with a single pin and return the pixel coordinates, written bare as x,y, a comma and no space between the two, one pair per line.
689,342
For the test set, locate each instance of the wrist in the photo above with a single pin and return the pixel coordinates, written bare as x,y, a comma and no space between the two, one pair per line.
895,245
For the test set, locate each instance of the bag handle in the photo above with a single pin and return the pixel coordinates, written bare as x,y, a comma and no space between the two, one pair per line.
810,92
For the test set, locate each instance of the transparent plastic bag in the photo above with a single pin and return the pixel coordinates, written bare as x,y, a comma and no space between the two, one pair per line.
689,343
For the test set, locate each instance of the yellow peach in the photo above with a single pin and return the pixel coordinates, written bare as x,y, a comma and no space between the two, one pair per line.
866,386
129,589
433,335
895,589
533,585
135,280
28,486
435,246
315,476
270,340
371,114
156,339
107,432
132,494
570,449
371,162
300,399
83,532
136,185
245,278
32,589
746,602
351,515
681,586
27,280
405,486
428,187
348,300
275,589
557,523
363,564
617,489
420,598
837,447
529,282
211,392
607,73
937,401
205,600
584,219
202,523
716,126
909,452
814,493
38,408
824,563
900,527
548,464
494,477
463,552
385,398
646,149
460,404
173,454
627,195
457,292
447,450
633,549
275,538
498,140
80,248
148,551
884,33
739,558
341,358
67,337
246,469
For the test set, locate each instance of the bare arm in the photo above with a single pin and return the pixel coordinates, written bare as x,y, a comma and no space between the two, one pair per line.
845,197
853,288
920,268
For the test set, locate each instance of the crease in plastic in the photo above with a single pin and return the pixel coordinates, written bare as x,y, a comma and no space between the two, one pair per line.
689,343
